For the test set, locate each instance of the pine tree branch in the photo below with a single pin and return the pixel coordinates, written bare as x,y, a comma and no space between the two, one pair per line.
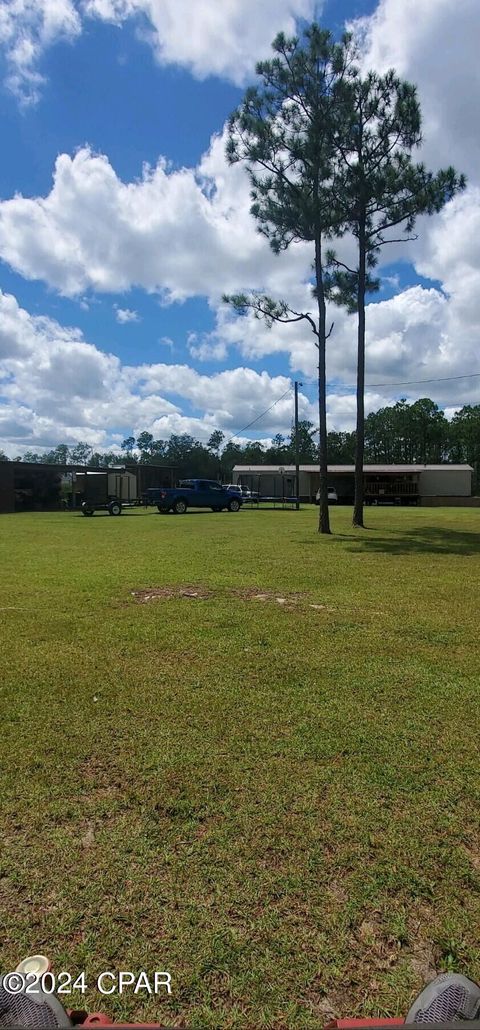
297,95
306,315
401,239
384,153
271,311
388,225
341,264
330,331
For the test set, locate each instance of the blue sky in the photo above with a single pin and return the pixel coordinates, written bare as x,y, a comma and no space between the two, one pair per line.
110,88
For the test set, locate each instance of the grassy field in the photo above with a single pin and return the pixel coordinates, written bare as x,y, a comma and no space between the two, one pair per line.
277,801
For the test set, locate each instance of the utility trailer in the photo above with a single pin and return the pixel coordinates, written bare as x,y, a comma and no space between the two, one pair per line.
109,491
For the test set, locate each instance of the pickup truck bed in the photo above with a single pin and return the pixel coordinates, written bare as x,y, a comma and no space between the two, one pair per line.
193,493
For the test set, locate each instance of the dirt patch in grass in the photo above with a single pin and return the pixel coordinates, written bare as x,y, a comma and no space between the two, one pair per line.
423,962
473,855
89,836
201,593
291,600
171,593
255,594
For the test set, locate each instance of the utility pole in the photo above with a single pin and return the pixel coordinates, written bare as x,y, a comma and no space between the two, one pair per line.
297,465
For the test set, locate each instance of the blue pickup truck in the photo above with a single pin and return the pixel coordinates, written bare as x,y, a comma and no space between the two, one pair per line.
193,493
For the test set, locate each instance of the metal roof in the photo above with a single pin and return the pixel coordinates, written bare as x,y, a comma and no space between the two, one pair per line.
127,466
374,469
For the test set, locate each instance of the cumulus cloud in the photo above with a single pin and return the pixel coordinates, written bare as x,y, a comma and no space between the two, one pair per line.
223,39
189,232
450,251
435,332
342,409
124,315
206,346
421,334
53,382
166,341
434,43
179,233
55,385
27,29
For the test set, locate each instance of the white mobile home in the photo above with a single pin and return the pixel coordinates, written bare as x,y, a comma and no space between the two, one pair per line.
415,484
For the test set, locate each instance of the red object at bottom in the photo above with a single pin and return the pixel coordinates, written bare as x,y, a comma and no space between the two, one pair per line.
100,1019
346,1024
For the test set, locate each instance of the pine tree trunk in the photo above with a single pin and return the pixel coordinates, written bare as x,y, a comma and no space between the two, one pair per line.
360,442
323,513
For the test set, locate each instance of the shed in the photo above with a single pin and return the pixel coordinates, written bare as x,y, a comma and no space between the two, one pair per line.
33,486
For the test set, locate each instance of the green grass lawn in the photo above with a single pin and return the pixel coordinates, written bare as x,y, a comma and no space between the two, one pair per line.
277,803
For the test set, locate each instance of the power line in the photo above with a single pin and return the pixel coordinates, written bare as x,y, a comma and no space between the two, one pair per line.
408,382
258,417
417,382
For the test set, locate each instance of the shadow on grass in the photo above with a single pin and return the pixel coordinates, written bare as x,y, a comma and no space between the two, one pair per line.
208,511
424,540
192,511
103,514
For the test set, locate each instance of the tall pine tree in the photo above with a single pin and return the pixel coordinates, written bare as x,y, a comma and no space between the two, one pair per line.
379,192
283,133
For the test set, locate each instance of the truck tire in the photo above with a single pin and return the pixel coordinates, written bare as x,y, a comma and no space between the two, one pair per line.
87,511
114,508
179,506
234,505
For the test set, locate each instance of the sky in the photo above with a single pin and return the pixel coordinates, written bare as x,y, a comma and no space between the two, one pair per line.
122,225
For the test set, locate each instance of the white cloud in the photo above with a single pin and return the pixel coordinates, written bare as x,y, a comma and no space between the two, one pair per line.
223,39
188,232
450,251
393,281
177,233
124,315
203,347
27,29
54,386
342,410
418,334
434,43
207,37
53,383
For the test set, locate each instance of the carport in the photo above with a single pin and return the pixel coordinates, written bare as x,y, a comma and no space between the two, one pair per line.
276,490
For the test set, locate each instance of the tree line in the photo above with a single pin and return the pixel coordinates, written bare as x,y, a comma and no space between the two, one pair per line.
399,434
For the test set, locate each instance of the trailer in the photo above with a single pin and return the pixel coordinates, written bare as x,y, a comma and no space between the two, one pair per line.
110,491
